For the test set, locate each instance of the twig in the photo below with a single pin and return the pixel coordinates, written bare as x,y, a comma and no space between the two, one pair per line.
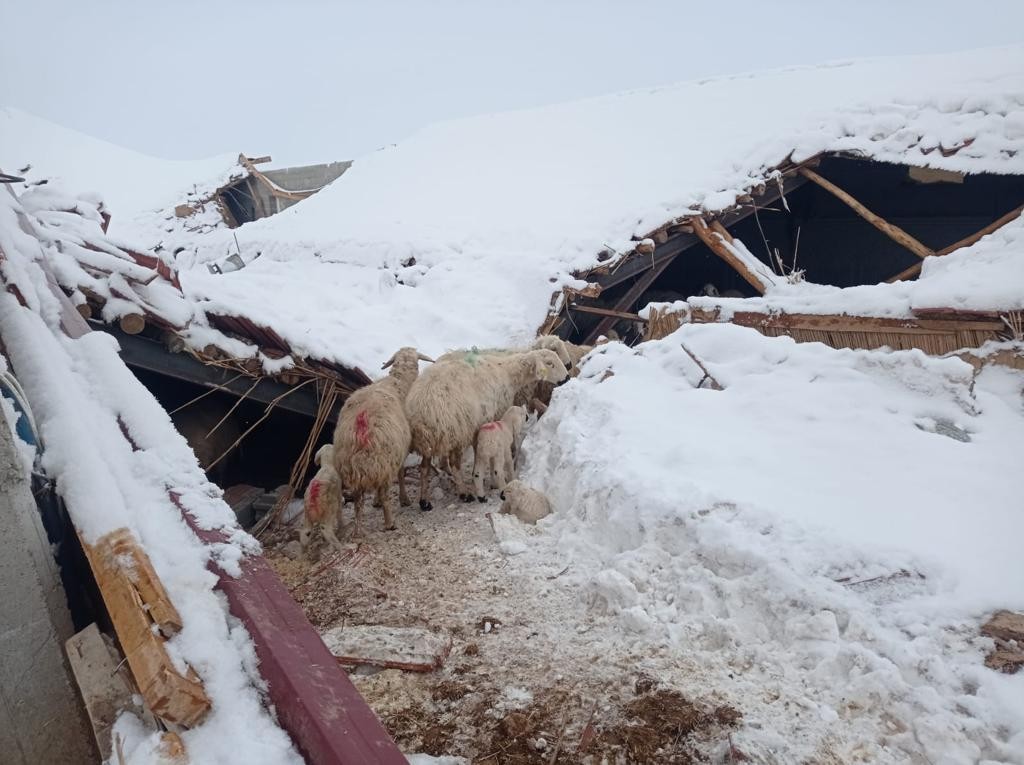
266,413
561,736
588,730
491,519
715,385
555,576
201,396
234,406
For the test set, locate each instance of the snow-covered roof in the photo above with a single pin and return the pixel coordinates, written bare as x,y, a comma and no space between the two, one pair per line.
140,192
461,234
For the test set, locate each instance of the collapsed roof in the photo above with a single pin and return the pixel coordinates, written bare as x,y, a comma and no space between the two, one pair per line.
461,234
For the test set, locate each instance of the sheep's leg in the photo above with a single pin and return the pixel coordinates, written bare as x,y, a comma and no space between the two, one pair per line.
331,537
505,474
455,458
403,496
385,502
479,465
425,467
357,520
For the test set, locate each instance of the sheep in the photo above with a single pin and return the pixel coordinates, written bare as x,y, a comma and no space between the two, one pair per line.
544,390
322,500
497,443
372,437
710,290
450,401
526,504
530,391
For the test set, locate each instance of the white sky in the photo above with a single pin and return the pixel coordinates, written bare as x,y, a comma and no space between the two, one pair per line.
311,81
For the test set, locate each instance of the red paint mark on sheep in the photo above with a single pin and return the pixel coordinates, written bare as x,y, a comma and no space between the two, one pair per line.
363,430
313,510
491,426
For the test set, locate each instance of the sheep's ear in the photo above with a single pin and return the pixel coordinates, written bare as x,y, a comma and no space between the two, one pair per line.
423,357
389,362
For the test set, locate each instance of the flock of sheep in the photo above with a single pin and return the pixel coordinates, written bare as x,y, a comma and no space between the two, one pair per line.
477,398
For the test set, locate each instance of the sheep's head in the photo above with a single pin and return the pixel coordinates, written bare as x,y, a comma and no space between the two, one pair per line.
556,344
324,455
405,362
548,367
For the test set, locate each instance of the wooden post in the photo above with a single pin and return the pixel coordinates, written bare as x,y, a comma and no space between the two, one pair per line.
967,241
895,233
716,243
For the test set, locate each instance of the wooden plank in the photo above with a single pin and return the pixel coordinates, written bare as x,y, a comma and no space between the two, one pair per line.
846,323
104,687
409,648
628,299
717,245
606,312
895,233
140,612
967,241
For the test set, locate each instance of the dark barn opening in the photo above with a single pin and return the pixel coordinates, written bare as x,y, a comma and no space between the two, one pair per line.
813,231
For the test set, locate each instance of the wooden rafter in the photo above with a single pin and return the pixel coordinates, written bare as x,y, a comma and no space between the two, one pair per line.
895,233
716,241
967,241
607,312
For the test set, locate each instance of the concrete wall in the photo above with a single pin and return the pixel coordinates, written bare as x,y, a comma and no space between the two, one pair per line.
41,717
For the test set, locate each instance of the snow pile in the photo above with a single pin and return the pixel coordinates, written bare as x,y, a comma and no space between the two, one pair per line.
808,540
81,396
139,191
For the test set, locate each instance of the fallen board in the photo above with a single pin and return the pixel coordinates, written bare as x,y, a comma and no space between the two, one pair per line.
409,648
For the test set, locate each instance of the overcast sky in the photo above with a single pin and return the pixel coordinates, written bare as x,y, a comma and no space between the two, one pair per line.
310,81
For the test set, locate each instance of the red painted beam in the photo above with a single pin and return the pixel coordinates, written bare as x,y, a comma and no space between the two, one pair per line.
314,698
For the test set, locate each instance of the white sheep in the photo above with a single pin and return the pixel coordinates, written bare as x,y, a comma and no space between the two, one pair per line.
533,389
450,401
495,448
322,500
526,504
372,437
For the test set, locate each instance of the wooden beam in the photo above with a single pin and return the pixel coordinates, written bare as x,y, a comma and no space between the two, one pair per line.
607,312
967,241
845,323
895,233
716,243
634,292
131,323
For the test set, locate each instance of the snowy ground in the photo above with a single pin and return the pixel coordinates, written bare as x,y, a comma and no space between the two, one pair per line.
802,547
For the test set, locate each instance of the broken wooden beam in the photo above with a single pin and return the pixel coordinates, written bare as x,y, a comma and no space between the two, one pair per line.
103,684
716,242
1006,628
410,648
598,311
967,241
895,233
143,617
631,296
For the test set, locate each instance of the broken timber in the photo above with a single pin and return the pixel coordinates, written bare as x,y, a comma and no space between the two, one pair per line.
967,241
409,648
718,239
895,233
680,237
144,617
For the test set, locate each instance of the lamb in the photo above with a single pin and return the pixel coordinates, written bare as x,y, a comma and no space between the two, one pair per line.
494,451
710,290
450,401
322,500
372,437
526,504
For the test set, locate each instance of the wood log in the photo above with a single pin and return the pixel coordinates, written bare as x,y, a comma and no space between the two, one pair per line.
717,246
84,310
895,233
140,611
132,323
592,290
967,241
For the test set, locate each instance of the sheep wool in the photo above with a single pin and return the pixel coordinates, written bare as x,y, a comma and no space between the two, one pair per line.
372,437
525,503
322,501
450,401
494,451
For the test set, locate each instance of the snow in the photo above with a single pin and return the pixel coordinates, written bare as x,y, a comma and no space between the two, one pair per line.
81,396
138,190
798,534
